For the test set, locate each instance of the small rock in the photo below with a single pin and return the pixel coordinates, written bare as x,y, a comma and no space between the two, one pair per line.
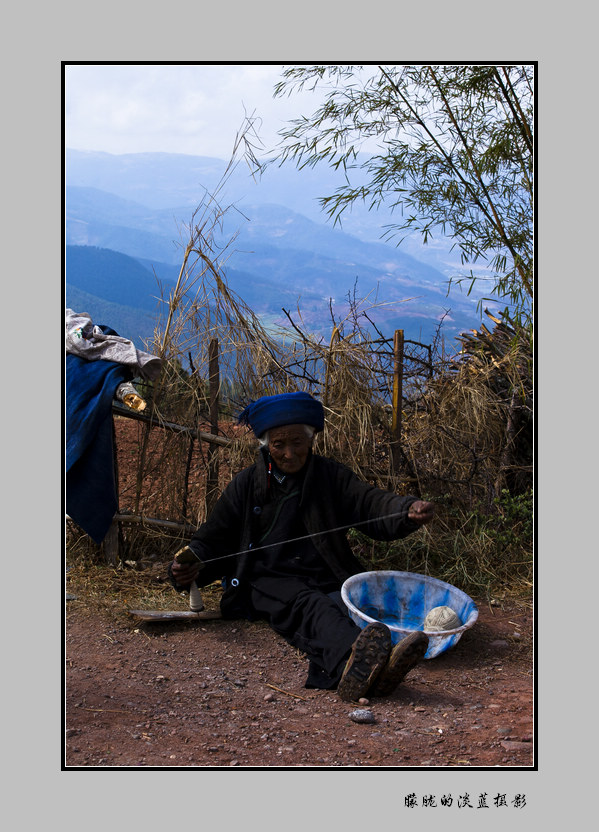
513,745
504,730
269,697
363,701
499,643
363,715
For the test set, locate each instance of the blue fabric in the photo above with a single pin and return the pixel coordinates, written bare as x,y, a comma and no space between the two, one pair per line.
90,483
285,409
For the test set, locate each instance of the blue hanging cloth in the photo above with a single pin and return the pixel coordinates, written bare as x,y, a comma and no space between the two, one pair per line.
91,494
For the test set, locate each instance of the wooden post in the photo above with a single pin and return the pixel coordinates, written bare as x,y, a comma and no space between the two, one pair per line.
111,543
213,391
398,349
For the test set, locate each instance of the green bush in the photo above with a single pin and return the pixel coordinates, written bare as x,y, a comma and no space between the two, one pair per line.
482,552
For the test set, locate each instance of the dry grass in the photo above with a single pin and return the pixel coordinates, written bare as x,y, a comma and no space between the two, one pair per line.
100,588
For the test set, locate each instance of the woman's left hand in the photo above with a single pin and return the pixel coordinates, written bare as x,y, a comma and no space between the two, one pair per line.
421,512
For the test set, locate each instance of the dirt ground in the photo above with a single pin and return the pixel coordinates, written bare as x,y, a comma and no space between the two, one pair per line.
231,693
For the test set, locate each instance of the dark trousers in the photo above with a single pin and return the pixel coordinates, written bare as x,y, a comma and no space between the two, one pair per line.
315,622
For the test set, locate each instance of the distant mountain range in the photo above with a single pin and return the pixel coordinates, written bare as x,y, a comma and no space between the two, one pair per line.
126,220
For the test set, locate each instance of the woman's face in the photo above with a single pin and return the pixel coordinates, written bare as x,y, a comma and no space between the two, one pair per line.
289,447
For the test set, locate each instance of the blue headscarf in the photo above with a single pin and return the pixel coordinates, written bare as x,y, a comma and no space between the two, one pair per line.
285,409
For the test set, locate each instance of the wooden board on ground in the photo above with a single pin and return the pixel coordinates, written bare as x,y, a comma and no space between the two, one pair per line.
176,615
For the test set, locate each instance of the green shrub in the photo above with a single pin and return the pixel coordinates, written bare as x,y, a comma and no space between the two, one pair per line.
484,553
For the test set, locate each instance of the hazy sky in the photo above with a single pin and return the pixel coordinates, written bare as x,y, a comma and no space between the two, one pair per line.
195,109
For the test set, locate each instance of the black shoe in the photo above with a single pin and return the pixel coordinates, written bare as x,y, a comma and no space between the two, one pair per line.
403,658
368,657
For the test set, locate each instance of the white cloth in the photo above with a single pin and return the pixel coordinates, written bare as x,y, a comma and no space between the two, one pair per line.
87,341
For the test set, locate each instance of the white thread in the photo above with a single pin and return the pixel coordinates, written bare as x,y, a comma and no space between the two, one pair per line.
253,549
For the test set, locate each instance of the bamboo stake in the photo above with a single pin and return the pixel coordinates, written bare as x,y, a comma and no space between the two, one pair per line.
398,350
213,385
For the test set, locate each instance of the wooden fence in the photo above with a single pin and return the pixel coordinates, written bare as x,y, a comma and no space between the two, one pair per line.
112,544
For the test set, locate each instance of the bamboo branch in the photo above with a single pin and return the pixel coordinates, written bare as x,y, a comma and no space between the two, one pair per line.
160,423
514,104
147,521
288,693
152,521
496,218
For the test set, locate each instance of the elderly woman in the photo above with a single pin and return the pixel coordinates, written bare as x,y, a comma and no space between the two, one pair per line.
287,516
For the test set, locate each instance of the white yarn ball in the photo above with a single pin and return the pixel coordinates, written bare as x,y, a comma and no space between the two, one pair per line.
442,618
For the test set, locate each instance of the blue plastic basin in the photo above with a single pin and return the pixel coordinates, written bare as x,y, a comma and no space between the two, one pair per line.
401,600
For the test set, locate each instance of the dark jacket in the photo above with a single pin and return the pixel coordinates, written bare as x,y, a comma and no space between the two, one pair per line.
332,496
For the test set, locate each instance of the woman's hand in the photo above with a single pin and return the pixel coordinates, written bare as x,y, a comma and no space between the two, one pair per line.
185,573
421,512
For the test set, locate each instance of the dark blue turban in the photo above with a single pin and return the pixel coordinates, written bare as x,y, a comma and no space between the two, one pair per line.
285,409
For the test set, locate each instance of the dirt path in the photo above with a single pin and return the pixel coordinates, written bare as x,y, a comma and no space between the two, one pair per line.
222,693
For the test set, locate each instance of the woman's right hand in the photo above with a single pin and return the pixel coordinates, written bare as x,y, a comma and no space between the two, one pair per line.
185,573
